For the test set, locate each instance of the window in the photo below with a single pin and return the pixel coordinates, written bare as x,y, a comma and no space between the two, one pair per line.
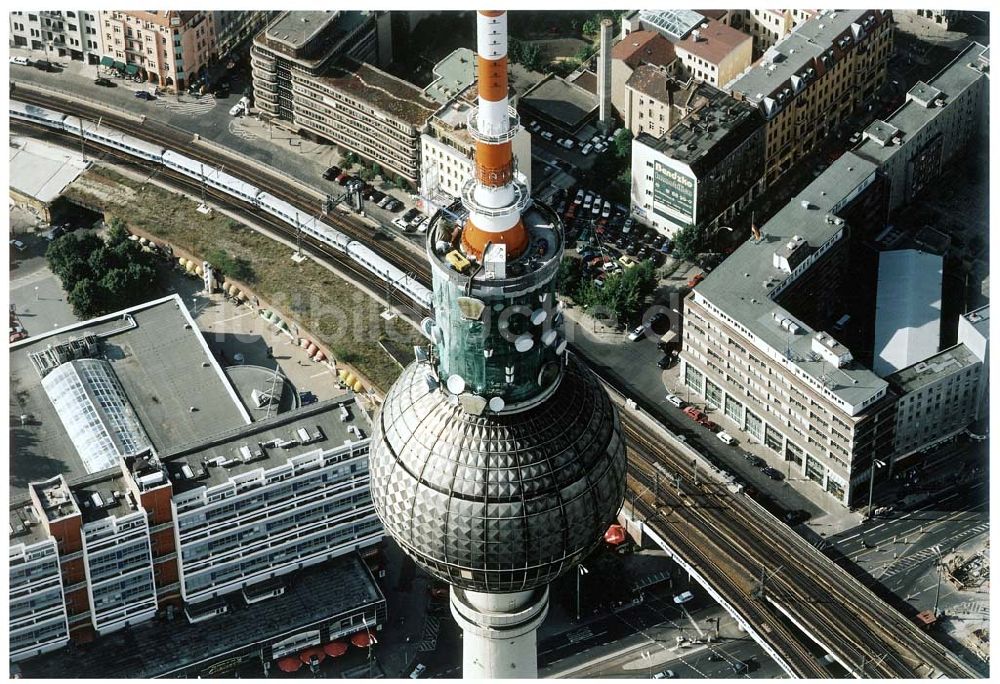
754,426
694,378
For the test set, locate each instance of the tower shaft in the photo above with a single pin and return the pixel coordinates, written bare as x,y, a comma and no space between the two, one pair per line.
499,632
493,197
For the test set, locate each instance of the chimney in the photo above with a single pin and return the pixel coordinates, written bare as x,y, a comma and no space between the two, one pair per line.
604,76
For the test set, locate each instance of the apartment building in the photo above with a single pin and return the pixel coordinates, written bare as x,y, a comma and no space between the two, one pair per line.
932,127
713,53
235,27
750,353
315,72
974,333
168,48
655,101
810,81
704,169
706,49
59,33
141,485
768,26
636,50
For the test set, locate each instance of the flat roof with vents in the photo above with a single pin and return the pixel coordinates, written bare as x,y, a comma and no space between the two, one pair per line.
743,286
163,366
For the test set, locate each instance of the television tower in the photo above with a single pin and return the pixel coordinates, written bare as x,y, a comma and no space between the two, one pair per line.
498,460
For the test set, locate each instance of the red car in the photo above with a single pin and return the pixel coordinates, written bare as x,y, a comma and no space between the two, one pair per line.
696,279
695,414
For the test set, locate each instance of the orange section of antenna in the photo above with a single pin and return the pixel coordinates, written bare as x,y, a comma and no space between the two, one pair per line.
494,164
492,13
474,239
492,74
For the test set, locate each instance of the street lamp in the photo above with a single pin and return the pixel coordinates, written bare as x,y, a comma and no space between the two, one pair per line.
871,483
937,593
581,571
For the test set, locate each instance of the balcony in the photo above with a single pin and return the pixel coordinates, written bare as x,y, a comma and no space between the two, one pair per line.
493,136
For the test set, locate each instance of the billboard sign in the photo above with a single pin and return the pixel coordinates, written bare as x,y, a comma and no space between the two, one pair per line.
673,193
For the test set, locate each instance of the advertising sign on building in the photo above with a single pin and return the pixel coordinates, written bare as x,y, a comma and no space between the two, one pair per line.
673,193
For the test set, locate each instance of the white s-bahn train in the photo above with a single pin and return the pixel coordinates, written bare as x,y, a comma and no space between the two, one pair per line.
251,194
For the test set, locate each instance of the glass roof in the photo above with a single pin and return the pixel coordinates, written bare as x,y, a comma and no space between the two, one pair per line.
676,23
95,412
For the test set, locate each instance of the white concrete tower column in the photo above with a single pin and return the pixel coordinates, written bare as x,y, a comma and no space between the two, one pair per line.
499,632
604,76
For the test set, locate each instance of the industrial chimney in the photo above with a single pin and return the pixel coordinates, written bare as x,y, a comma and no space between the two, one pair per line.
604,76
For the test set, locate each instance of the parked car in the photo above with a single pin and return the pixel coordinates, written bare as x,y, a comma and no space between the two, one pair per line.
394,205
725,437
18,245
148,96
23,61
418,671
400,223
105,82
664,362
638,332
579,197
422,223
695,279
695,414
665,674
683,597
307,397
411,213
54,233
567,143
772,473
675,400
797,516
331,173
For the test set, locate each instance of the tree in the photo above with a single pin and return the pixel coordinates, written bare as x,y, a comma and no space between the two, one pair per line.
67,255
622,143
591,26
688,241
234,267
569,275
585,53
86,298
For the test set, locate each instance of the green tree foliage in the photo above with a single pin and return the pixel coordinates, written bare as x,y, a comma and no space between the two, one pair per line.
688,241
349,160
234,267
527,54
103,275
569,275
622,293
585,52
622,144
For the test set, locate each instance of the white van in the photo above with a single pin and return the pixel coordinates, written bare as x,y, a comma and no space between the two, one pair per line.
23,61
725,437
586,149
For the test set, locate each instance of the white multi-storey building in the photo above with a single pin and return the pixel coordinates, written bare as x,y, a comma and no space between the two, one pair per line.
38,621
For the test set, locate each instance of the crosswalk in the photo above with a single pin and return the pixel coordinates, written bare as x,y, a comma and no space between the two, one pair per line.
906,562
187,104
580,634
428,638
239,129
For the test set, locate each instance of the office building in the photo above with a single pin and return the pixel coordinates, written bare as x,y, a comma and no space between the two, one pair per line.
57,33
141,484
808,83
315,72
704,169
932,127
750,352
974,333
168,48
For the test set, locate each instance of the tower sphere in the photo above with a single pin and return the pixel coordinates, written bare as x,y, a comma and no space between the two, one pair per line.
498,503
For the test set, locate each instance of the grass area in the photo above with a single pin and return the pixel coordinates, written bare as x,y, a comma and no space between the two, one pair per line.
341,316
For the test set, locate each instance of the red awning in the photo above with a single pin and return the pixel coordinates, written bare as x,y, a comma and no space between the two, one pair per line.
615,535
335,649
289,664
363,640
315,652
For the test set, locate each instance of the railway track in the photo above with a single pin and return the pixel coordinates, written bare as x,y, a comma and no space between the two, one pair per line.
868,636
850,618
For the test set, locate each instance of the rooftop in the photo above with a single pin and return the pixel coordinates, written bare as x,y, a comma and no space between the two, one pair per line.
265,444
930,369
40,170
716,125
453,74
655,82
164,367
561,101
715,41
644,47
159,648
393,96
311,37
743,286
907,309
980,320
797,52
295,29
586,79
673,23
920,109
